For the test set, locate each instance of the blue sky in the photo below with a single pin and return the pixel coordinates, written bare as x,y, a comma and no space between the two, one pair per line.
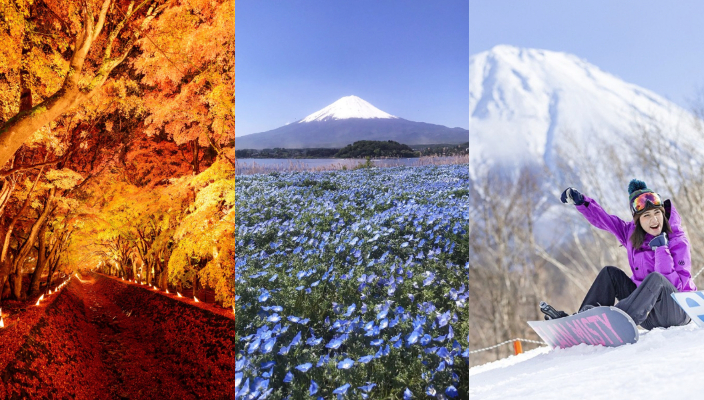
408,58
658,45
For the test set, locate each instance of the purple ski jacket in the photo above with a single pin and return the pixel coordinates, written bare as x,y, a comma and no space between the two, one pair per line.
673,261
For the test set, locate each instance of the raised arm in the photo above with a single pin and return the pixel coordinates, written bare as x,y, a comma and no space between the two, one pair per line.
596,215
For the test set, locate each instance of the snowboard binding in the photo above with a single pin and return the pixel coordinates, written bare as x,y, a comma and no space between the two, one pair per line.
550,312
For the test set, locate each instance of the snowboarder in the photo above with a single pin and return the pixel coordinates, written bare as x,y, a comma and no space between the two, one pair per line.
658,254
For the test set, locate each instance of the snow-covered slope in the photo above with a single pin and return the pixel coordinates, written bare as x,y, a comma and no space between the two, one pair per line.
525,102
664,364
345,108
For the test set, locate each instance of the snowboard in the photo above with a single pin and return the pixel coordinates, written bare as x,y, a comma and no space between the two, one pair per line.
693,304
605,326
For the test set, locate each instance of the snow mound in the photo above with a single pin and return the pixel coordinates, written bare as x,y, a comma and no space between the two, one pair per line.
665,363
346,108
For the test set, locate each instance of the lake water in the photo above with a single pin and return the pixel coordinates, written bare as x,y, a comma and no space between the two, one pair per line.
264,165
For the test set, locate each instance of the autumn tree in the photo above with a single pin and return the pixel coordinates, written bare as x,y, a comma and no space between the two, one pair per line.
95,37
190,57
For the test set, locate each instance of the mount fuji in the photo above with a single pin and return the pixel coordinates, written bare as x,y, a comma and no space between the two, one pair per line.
527,103
347,120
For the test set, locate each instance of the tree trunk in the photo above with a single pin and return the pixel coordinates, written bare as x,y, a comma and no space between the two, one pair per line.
16,283
8,186
41,262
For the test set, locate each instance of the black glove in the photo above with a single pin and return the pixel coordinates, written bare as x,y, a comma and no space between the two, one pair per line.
572,196
657,241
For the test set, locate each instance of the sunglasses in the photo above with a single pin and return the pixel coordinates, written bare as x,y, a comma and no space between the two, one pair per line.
640,203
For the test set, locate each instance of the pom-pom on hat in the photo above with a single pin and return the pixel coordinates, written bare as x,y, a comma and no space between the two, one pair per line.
636,188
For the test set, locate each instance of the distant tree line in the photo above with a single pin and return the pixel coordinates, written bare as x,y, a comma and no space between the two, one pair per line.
286,153
376,148
359,149
442,149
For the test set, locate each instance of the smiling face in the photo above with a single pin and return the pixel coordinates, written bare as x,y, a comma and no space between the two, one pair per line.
651,221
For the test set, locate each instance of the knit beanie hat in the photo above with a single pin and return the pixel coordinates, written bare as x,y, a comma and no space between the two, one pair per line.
636,188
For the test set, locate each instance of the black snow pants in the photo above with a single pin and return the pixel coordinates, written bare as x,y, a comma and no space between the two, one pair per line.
650,304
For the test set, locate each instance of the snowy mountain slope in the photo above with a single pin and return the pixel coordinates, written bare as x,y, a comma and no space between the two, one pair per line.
664,364
347,120
526,102
346,108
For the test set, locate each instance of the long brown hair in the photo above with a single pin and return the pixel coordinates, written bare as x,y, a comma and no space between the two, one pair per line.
638,234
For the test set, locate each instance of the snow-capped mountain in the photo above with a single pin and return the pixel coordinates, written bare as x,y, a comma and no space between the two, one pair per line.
524,103
347,120
346,108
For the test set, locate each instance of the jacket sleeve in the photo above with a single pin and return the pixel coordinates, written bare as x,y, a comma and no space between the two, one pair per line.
596,216
675,262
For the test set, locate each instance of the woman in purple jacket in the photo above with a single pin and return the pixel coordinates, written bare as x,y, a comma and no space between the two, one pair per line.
658,253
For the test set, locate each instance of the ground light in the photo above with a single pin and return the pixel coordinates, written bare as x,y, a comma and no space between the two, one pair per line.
179,294
196,299
2,323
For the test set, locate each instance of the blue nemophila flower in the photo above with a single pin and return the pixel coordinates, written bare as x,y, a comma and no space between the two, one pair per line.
365,359
238,379
350,310
254,346
425,340
274,318
267,364
263,297
407,394
441,367
288,378
296,340
334,344
382,314
304,367
313,341
451,392
269,345
342,389
260,384
324,359
413,337
376,342
245,388
430,390
367,388
313,388
345,364
442,352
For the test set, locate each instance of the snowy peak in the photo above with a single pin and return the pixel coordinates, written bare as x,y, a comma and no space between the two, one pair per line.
346,108
525,103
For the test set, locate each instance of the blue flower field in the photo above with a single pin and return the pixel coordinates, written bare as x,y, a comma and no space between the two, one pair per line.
353,284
